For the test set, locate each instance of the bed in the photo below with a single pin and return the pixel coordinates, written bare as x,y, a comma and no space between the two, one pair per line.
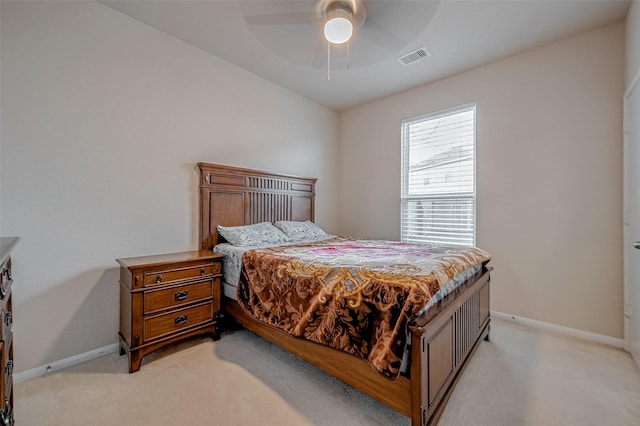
443,338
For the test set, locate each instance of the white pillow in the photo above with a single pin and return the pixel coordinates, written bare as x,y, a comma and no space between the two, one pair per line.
257,234
301,231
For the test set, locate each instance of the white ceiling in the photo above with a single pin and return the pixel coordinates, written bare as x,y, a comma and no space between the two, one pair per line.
460,35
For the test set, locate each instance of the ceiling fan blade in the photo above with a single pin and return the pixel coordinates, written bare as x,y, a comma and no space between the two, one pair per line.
293,18
378,6
380,36
320,56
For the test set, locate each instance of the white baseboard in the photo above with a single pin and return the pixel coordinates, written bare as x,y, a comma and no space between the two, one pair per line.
105,350
43,370
586,335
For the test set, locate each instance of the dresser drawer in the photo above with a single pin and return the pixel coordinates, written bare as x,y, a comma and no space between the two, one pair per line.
157,300
6,278
7,322
6,370
171,275
161,325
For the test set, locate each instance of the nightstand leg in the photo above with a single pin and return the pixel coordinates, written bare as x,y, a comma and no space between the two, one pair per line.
215,331
122,351
134,361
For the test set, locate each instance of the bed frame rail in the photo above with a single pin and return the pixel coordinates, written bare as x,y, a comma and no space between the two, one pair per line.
352,370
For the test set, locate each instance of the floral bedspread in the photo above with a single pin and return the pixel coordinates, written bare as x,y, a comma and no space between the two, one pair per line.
353,295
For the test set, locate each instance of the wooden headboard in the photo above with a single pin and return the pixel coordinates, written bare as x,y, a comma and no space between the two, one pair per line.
233,196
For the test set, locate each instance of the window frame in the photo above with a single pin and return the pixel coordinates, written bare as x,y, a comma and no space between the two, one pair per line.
404,166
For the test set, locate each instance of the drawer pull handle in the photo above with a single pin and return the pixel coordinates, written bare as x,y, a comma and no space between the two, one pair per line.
6,414
181,295
8,319
159,278
201,271
9,369
181,319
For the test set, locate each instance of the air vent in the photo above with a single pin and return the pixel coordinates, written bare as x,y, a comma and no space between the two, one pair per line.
414,56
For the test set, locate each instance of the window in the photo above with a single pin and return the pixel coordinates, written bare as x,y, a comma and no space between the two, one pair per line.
438,178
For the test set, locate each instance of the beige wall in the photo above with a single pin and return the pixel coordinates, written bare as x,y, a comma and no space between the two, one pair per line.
633,42
549,175
103,120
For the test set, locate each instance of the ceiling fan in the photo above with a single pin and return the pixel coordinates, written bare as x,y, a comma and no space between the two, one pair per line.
368,31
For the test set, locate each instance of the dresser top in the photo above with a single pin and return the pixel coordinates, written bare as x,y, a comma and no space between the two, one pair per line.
6,245
159,259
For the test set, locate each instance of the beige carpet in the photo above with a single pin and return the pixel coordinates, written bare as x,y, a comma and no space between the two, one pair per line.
520,377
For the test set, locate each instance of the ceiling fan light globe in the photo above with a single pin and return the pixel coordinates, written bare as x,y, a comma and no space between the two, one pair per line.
338,30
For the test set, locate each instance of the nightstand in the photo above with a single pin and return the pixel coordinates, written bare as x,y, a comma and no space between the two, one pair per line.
166,298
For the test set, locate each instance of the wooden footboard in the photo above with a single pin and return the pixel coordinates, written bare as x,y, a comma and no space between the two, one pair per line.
445,337
442,342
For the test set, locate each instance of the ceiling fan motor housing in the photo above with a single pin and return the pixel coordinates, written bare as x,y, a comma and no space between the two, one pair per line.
353,10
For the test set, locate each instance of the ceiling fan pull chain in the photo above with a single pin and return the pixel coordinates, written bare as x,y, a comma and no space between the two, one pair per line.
348,53
328,61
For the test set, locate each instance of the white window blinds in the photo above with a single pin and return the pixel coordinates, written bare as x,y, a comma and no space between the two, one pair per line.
438,178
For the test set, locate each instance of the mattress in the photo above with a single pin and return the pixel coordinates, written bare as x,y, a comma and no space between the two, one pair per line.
353,295
232,263
232,266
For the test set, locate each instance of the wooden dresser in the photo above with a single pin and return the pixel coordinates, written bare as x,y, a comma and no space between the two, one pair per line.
166,298
6,337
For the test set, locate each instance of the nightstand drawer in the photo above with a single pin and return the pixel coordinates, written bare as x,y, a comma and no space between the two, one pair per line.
157,300
168,276
161,325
